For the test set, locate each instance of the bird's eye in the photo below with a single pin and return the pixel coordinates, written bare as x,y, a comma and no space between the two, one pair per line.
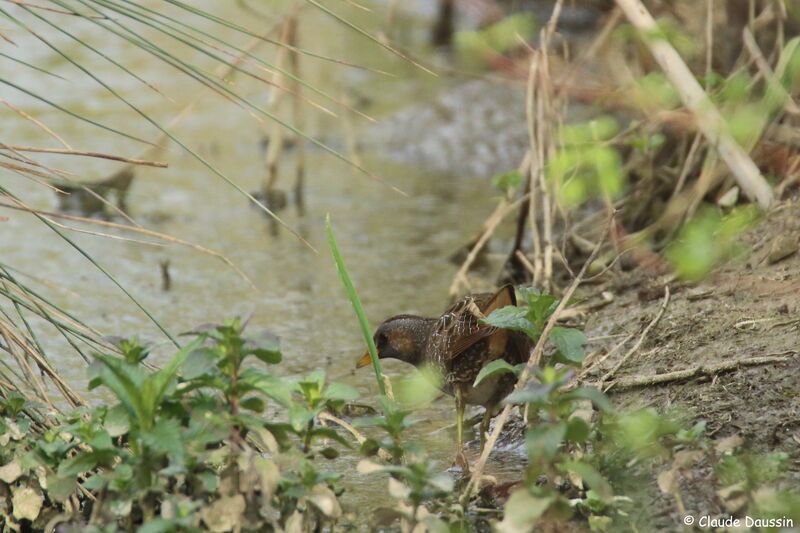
380,340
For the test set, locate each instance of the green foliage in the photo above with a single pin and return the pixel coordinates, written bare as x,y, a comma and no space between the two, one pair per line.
586,164
500,37
179,449
508,181
559,425
706,240
357,307
531,320
413,478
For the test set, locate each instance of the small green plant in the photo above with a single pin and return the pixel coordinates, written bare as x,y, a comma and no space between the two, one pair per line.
708,239
180,449
586,164
413,478
561,428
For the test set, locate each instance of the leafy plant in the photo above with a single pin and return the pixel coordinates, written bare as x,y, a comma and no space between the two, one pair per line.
179,449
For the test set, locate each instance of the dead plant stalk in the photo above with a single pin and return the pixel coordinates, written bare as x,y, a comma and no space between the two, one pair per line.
709,119
533,361
701,370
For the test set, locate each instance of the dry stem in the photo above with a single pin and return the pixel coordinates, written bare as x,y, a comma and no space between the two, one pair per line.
709,119
533,361
701,370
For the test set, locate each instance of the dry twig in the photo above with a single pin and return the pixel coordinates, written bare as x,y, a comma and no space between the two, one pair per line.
701,370
709,119
533,361
639,342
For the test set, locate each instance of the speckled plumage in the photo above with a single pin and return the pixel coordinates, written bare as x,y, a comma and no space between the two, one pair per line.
458,346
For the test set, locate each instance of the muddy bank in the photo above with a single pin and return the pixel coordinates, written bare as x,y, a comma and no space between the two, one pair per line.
746,309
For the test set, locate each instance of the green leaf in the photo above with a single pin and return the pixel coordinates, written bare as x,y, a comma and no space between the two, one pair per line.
83,462
569,342
357,307
500,366
534,393
199,362
522,512
592,478
60,488
265,346
124,380
13,404
599,400
511,317
329,453
508,180
577,430
369,448
276,388
165,437
101,440
339,391
299,417
544,441
116,421
253,403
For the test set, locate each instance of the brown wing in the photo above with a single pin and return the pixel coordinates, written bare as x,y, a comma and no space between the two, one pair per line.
458,328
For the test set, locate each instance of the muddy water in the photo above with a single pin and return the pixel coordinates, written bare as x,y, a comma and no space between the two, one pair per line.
396,246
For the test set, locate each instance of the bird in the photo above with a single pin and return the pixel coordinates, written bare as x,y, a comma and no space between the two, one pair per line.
457,345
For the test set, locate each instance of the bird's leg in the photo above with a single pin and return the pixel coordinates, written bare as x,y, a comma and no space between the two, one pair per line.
459,418
487,418
461,459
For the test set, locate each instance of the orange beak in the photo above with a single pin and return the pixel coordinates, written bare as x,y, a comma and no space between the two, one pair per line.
365,360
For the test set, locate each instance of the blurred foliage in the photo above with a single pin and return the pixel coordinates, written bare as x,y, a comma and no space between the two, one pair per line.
587,164
708,239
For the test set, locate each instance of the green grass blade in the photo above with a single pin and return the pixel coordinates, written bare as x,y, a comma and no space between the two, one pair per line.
147,117
34,67
71,113
369,36
97,265
357,307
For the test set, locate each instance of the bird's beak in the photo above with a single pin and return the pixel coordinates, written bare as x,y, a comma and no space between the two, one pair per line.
365,360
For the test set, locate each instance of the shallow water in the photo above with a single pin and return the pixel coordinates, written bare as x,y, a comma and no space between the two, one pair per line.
396,246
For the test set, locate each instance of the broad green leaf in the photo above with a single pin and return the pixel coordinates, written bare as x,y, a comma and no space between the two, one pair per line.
511,317
569,342
276,388
599,400
165,437
83,462
299,417
522,512
60,488
577,430
534,393
508,180
543,441
340,391
253,403
500,366
116,421
265,346
124,380
101,440
199,362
